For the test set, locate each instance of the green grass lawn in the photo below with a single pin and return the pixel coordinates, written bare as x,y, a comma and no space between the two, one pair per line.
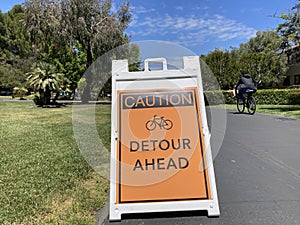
43,177
284,110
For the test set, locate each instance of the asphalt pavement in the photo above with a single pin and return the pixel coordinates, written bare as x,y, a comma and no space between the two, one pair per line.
257,173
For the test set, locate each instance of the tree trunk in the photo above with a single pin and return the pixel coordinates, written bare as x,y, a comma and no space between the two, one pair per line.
86,95
47,96
56,97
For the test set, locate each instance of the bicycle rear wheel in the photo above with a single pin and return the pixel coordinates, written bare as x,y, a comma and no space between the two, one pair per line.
150,125
251,105
240,107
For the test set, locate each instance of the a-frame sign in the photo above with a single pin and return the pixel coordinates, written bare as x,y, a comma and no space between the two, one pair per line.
160,147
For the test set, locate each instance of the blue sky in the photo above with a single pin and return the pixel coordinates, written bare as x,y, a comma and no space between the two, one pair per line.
199,25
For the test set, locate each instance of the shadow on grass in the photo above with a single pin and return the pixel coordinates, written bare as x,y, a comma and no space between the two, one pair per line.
53,105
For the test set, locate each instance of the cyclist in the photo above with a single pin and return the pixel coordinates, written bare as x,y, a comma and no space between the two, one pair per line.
245,85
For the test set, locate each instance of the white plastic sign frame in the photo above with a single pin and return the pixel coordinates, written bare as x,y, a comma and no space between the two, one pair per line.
190,75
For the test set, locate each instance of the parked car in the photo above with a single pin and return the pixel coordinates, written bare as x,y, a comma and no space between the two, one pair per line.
65,95
6,93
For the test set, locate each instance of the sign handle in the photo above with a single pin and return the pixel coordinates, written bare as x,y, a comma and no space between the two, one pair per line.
156,60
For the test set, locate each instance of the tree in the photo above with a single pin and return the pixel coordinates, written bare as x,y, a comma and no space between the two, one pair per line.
46,82
14,49
289,30
130,52
2,31
133,57
11,77
70,63
17,42
224,67
90,23
260,57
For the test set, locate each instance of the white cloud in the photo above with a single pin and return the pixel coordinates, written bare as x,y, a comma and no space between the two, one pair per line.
141,10
179,8
191,30
202,8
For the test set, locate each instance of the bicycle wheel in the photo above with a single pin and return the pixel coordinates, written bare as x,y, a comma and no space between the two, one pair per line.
150,125
240,107
167,125
251,105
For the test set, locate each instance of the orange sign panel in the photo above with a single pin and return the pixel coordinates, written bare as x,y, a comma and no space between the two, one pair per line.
160,147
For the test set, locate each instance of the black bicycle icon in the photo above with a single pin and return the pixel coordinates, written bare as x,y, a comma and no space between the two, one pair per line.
159,122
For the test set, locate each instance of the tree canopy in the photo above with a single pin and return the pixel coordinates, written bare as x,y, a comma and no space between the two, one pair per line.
260,57
14,49
88,26
289,30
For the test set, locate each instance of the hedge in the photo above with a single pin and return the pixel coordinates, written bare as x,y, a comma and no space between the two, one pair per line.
263,97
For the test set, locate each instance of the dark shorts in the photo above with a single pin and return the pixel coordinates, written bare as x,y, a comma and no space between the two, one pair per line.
245,91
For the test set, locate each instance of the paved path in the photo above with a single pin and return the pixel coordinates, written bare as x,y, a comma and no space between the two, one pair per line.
257,173
9,99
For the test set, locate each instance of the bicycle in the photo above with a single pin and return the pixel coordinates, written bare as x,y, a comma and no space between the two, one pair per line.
248,101
160,122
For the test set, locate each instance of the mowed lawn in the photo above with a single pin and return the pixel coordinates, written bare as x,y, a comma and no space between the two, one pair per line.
43,177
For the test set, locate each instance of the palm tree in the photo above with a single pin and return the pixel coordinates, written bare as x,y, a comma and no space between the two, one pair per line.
45,80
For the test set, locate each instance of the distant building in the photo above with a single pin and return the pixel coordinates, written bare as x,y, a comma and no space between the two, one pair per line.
293,73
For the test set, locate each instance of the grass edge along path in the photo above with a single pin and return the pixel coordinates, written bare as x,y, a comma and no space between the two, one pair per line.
282,110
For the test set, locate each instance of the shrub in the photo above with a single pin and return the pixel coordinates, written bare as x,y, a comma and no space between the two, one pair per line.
274,97
213,98
294,97
19,92
263,97
278,96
